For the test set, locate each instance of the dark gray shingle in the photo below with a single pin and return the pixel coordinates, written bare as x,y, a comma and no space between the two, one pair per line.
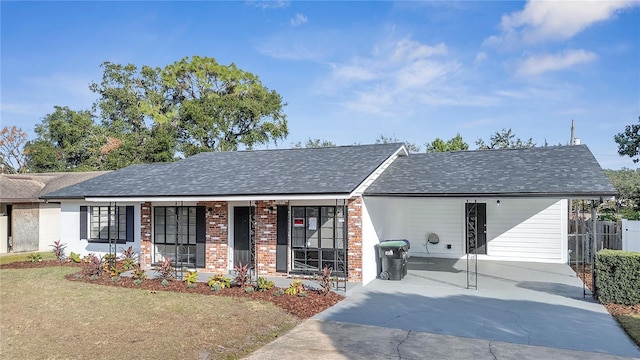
267,172
556,170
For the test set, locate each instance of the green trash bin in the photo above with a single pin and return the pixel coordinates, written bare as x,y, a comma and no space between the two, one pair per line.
393,258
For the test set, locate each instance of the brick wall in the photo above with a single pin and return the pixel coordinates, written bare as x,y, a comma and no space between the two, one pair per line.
217,238
145,234
354,235
266,237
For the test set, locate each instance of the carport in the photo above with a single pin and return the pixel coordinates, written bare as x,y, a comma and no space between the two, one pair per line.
518,302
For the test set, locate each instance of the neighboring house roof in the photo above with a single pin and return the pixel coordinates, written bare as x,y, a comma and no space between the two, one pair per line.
335,170
568,171
29,187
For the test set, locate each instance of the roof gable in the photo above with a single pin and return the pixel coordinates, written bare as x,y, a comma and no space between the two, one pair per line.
539,171
335,170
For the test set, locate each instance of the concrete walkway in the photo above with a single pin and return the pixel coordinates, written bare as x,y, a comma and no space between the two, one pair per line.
329,340
520,310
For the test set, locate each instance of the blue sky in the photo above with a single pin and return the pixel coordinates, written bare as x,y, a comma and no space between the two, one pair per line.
351,71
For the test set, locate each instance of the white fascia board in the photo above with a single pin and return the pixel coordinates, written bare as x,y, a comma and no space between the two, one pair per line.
219,198
402,151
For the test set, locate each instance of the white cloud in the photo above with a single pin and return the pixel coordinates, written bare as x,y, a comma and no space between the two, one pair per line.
542,21
275,4
535,65
480,57
298,20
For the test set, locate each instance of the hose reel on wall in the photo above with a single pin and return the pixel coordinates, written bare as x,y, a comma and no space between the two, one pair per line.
433,239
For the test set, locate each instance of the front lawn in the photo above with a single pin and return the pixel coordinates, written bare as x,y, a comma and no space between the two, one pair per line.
42,315
631,323
15,257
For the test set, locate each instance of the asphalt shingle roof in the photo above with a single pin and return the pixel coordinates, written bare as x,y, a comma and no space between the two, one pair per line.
556,170
266,172
29,187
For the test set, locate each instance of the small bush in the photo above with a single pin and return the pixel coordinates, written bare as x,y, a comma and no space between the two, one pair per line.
278,292
248,289
58,250
325,280
139,273
618,277
166,270
34,257
88,258
95,266
242,274
115,279
73,257
137,281
295,288
263,284
164,283
191,278
219,281
129,258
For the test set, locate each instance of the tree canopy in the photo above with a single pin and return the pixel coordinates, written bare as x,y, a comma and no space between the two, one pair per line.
454,144
153,114
629,141
314,143
12,157
412,148
504,139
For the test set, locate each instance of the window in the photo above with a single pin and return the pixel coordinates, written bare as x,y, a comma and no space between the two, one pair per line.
318,238
176,233
106,223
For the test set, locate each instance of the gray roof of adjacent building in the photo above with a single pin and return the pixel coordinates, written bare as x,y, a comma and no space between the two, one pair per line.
334,170
24,188
566,171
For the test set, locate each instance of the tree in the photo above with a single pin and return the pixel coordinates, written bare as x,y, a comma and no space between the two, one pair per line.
504,140
12,157
314,143
412,148
627,184
67,140
454,144
629,141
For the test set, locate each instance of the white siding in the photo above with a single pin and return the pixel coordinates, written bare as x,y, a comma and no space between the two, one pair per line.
49,225
523,229
70,230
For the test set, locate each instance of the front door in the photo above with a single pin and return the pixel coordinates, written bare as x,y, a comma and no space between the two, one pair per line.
242,233
476,227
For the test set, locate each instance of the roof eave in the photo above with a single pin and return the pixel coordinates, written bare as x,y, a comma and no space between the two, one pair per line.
571,195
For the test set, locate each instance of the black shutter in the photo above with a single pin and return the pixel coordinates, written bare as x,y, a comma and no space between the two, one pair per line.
201,237
83,223
130,223
282,229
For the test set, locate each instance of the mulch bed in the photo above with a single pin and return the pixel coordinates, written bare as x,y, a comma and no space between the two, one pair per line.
302,307
614,309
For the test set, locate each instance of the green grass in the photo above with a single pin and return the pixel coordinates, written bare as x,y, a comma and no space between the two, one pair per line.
631,324
42,315
13,257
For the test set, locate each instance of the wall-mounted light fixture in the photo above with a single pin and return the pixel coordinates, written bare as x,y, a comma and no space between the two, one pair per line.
209,211
271,209
498,202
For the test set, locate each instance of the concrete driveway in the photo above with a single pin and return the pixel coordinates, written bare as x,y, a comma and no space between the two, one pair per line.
518,303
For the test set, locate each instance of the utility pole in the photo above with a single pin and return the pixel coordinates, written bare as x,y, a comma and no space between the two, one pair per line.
573,139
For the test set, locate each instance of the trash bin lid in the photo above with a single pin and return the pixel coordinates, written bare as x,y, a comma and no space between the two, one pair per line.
393,244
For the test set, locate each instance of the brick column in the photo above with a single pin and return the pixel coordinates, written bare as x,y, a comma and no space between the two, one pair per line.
354,235
217,236
266,237
145,234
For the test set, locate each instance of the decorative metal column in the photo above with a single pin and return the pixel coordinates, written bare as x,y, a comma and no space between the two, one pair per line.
472,242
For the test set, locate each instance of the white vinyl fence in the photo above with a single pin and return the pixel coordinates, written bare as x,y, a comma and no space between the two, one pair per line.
631,235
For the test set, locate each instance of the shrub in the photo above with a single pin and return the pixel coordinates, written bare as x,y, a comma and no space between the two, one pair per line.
242,274
295,288
137,281
191,278
263,284
166,270
73,257
34,257
115,279
164,282
325,280
58,250
95,266
129,258
248,289
139,273
219,281
88,258
278,292
618,277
